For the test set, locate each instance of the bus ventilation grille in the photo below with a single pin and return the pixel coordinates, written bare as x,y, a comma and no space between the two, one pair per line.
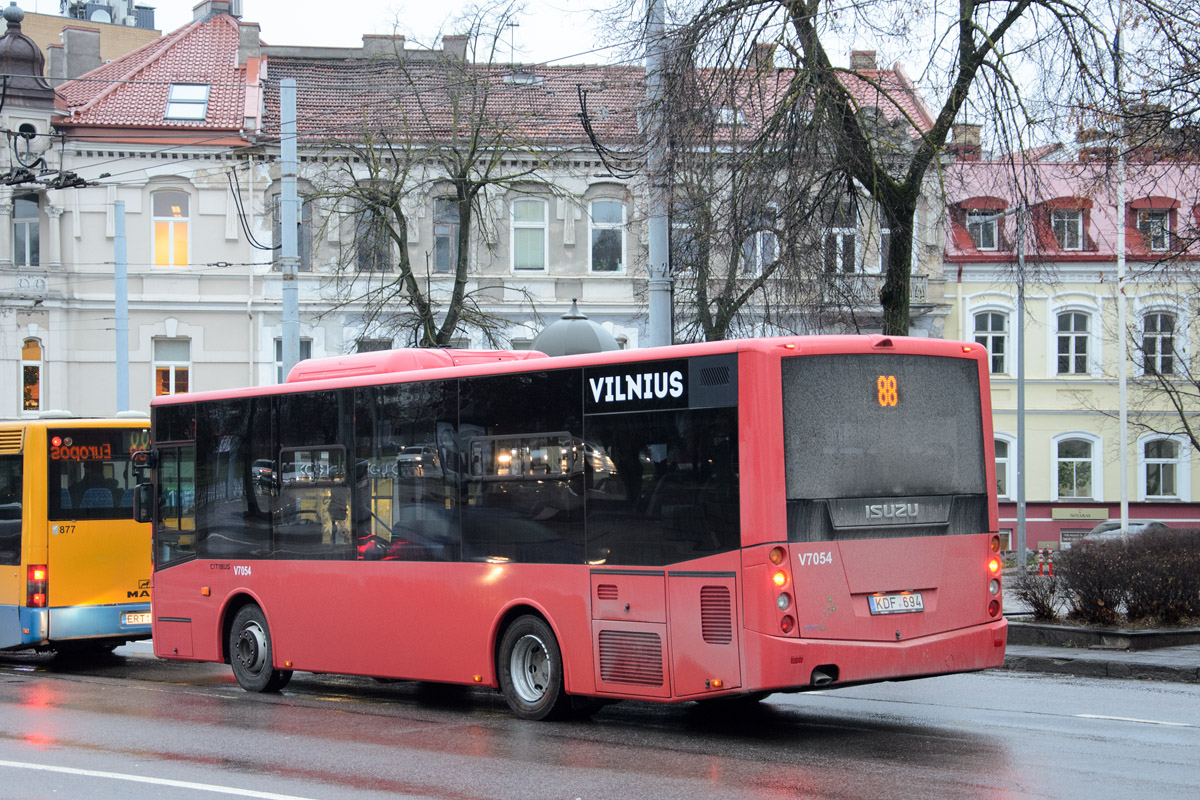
716,617
10,441
606,591
631,657
714,376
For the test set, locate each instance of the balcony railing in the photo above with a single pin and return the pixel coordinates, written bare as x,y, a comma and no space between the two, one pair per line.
863,289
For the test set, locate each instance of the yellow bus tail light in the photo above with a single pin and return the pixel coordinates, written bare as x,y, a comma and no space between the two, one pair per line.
37,586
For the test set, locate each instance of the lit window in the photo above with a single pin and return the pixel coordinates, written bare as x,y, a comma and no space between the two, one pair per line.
31,375
170,214
981,225
1155,227
25,230
446,222
1158,344
1073,343
188,101
528,234
1075,466
991,331
172,362
1068,229
607,242
305,352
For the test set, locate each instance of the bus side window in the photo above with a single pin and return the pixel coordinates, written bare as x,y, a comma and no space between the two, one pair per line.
10,509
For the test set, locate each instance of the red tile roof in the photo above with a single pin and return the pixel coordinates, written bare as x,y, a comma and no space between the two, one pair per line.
131,92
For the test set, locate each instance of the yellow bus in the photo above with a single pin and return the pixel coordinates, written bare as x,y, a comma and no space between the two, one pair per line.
74,566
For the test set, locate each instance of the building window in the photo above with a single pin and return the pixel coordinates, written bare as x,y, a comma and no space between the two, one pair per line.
885,248
761,248
840,248
991,331
31,375
172,363
1158,344
981,225
446,222
1003,479
529,234
372,243
1164,471
25,230
607,242
1159,458
187,101
303,234
1075,466
305,352
372,345
1068,229
1155,227
1073,343
170,213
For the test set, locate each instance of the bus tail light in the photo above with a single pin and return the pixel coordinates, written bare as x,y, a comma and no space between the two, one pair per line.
37,586
787,623
994,607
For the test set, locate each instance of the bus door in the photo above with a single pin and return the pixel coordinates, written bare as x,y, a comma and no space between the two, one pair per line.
96,554
11,525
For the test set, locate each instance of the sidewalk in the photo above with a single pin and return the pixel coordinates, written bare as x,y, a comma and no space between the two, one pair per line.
1176,664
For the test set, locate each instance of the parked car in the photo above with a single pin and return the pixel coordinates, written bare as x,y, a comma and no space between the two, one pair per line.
1107,531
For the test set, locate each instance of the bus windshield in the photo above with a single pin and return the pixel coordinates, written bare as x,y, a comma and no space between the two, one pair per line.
91,473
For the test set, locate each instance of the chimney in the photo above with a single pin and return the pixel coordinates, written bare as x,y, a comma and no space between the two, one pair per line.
208,8
967,143
248,43
455,47
377,45
762,56
862,60
81,51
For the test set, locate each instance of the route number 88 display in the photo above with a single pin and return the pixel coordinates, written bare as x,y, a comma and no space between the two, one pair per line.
889,394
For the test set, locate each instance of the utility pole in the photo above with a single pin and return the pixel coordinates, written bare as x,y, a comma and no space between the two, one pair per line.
121,290
288,213
660,327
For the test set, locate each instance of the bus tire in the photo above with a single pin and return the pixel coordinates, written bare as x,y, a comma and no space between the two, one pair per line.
251,654
531,670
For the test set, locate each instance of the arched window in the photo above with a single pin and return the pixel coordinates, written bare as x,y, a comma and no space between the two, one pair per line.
1164,467
1158,343
991,331
171,212
1073,332
1077,467
31,375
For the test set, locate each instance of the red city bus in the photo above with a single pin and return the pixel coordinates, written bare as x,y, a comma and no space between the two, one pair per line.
671,524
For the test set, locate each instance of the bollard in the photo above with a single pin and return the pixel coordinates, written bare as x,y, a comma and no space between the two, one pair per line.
1041,563
1050,558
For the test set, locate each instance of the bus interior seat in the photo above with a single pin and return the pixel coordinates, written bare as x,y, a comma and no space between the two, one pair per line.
64,498
97,498
127,499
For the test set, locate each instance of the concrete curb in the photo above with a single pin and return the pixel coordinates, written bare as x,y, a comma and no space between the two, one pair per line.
1171,664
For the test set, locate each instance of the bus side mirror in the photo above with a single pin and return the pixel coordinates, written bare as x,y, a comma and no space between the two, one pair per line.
143,502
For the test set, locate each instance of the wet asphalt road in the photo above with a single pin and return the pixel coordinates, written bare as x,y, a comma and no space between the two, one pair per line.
136,727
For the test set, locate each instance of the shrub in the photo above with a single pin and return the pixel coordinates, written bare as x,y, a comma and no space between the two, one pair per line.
1153,576
1094,574
1044,594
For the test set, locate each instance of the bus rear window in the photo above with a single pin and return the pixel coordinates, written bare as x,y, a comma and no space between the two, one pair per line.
882,425
91,475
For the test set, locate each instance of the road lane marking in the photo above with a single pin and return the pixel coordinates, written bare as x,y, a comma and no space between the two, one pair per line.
1135,719
121,776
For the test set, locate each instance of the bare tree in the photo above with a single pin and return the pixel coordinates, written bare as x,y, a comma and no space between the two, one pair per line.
1027,66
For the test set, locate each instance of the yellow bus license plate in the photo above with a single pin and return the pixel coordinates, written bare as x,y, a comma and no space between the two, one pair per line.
138,618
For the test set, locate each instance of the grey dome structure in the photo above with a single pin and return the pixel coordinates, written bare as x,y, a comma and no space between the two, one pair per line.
574,334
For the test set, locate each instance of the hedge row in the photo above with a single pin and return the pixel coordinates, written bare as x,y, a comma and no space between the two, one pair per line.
1152,577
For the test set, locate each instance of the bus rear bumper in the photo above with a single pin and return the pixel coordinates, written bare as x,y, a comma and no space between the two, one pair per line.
785,664
86,622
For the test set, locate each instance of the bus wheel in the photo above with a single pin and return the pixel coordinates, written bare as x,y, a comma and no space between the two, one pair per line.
250,653
531,670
